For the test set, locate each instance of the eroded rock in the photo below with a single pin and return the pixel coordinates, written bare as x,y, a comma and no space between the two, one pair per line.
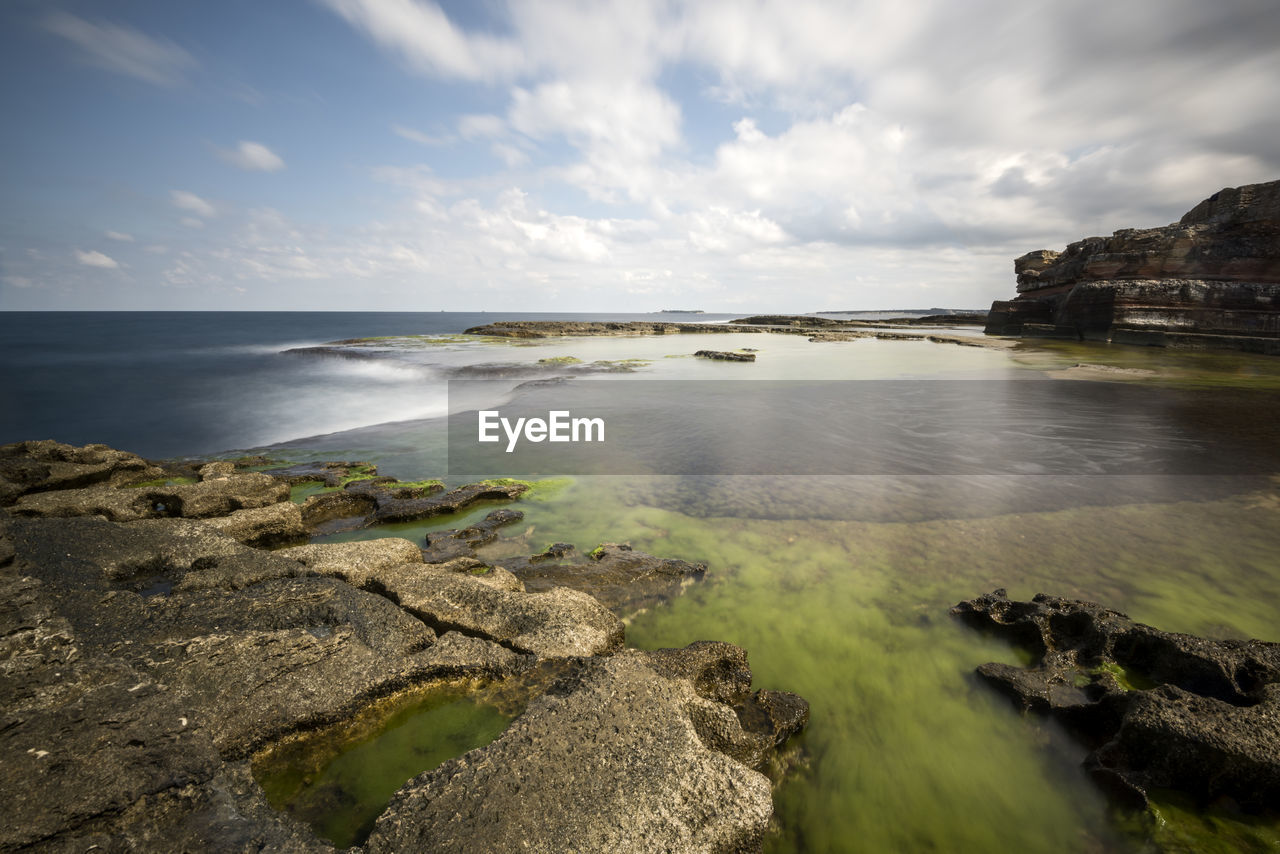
556,623
725,356
376,501
219,496
613,757
1211,280
623,580
1158,709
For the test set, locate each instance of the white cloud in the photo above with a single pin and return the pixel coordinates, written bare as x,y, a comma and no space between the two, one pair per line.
424,37
18,281
187,201
420,137
253,156
509,154
472,126
124,50
94,258
119,235
192,222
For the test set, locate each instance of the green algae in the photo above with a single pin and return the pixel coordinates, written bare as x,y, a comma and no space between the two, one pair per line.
300,492
560,360
1168,368
339,779
536,490
852,615
430,484
1174,824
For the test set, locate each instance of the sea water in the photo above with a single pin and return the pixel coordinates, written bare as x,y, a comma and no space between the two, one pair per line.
837,585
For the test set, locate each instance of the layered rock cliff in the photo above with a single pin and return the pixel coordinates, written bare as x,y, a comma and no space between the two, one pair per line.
1210,280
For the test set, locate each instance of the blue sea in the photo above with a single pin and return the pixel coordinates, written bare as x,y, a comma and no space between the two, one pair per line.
843,495
166,384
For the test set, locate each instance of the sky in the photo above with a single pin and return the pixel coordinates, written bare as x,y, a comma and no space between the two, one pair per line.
558,155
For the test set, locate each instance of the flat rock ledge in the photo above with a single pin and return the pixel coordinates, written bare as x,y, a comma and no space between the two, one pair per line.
1158,710
148,655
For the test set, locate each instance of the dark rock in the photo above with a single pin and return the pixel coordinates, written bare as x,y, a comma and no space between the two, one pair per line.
565,328
143,662
38,466
623,580
723,356
614,757
447,545
800,320
376,501
330,474
216,497
1211,280
1158,709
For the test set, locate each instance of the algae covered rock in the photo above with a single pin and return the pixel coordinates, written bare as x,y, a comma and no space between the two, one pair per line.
612,757
1159,710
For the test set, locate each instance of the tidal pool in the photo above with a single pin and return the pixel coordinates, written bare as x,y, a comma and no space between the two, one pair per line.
338,780
838,587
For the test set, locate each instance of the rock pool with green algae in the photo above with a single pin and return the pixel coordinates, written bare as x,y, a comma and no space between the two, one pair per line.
338,780
906,751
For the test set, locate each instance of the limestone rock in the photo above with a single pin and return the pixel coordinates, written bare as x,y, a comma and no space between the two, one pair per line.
38,466
263,527
217,497
377,501
1210,280
359,563
623,580
608,759
558,622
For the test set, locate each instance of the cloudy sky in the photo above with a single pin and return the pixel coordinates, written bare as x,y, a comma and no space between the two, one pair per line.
557,155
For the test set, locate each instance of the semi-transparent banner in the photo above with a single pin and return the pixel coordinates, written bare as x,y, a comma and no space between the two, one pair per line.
633,426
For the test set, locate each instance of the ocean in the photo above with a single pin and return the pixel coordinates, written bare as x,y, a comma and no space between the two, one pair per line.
843,494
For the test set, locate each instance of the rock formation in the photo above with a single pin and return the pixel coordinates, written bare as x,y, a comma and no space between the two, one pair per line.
1158,710
148,653
1210,280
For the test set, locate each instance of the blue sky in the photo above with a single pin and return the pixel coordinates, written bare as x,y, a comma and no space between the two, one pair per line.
605,156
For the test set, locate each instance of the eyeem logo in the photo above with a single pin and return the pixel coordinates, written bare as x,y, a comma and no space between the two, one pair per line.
559,426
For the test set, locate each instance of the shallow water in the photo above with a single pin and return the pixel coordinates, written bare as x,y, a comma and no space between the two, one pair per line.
838,586
338,780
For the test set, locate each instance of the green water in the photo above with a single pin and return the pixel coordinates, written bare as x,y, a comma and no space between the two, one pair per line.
339,780
905,751
839,591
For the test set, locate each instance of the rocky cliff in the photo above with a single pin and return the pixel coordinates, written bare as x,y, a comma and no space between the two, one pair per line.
1210,280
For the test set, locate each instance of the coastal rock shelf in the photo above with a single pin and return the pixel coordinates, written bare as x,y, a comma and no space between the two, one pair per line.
1209,281
1158,710
150,652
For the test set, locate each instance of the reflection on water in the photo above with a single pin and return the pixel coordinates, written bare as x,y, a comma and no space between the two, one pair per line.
838,587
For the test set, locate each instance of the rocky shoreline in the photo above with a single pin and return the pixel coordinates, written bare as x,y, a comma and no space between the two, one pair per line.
1156,710
1210,281
153,648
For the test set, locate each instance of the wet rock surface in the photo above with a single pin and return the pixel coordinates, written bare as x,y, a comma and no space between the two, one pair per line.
1210,280
593,775
1158,710
623,580
568,328
376,501
145,658
39,466
725,356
